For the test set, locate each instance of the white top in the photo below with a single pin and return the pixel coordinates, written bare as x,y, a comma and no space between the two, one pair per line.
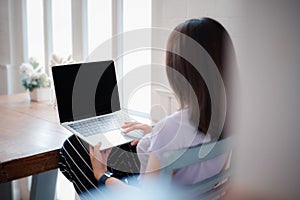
176,132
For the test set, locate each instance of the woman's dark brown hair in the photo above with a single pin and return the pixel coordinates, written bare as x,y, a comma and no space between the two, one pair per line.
215,40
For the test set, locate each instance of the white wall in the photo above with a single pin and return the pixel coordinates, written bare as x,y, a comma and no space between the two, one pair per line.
266,38
4,33
4,47
268,158
12,44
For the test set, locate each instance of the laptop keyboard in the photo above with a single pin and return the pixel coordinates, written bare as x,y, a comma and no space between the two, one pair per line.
100,125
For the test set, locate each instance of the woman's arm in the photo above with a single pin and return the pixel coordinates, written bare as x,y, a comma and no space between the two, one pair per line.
152,169
116,183
99,164
99,160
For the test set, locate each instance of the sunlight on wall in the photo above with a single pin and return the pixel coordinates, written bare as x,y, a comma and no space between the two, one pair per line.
62,28
35,30
99,23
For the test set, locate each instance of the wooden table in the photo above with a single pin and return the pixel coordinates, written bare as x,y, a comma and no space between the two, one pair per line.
30,138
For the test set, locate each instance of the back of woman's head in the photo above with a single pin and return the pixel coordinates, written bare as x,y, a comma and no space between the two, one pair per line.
199,41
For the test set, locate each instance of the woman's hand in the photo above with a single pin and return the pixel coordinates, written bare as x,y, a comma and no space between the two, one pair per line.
99,160
130,126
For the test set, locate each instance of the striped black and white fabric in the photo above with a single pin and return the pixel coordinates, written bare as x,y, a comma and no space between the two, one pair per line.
75,163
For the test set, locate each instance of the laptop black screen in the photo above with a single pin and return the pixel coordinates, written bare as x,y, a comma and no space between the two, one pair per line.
85,90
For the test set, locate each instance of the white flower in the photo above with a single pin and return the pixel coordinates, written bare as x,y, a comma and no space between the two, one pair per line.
33,76
26,69
34,63
44,80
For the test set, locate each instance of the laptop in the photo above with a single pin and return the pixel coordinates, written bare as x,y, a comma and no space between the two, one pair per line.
88,103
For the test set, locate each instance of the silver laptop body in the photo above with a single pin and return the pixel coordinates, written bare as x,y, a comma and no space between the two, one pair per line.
88,103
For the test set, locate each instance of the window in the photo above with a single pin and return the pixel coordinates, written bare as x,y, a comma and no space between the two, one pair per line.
61,26
137,15
35,30
99,23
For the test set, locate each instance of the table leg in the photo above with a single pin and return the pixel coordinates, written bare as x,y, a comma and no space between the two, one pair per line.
43,185
6,191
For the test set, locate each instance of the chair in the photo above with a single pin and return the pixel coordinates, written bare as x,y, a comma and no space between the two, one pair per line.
211,188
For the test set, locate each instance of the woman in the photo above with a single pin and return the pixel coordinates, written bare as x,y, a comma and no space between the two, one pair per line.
191,124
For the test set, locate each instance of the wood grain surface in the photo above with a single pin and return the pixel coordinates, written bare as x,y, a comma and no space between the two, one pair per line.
30,137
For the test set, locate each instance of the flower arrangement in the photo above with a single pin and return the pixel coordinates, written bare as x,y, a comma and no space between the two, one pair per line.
33,75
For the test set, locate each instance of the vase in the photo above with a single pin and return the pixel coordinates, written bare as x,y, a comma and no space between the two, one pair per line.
40,94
